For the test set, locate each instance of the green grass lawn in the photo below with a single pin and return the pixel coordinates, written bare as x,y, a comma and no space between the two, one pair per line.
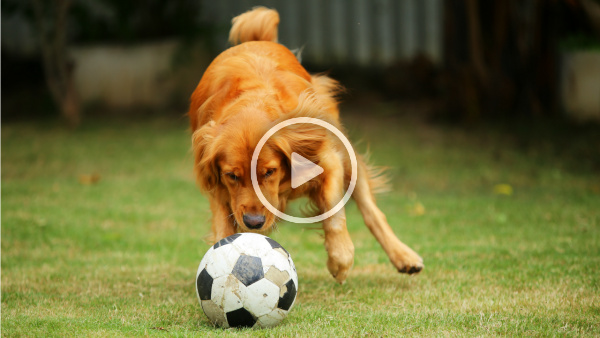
118,258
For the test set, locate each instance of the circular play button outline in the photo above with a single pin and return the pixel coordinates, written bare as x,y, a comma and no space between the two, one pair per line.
290,122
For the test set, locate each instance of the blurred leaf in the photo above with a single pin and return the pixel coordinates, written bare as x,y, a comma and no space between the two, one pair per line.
160,328
503,189
417,209
89,179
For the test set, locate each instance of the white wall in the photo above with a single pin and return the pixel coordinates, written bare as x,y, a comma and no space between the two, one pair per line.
142,75
581,85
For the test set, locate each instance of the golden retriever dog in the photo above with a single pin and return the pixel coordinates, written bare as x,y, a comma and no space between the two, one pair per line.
245,91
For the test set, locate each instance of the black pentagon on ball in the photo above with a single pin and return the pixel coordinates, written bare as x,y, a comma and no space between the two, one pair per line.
248,269
240,318
288,297
276,245
226,240
204,284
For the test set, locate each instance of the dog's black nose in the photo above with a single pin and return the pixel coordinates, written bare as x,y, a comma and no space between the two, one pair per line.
254,221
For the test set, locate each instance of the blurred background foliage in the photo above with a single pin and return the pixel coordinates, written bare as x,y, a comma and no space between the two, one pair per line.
135,21
123,22
459,61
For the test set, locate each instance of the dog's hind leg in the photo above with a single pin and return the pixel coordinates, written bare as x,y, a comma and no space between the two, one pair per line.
404,258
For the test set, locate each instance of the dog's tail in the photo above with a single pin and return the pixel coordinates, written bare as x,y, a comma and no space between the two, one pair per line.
259,24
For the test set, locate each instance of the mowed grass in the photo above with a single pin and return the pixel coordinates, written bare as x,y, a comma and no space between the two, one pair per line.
119,257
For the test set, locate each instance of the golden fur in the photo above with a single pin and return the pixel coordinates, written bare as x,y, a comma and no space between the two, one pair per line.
245,91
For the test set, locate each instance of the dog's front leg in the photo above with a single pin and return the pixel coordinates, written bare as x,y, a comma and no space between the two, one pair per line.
222,220
338,244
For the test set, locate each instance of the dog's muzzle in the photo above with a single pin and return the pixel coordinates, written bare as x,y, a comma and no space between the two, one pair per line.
254,221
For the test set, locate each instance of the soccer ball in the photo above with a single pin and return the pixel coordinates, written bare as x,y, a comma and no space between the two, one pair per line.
246,280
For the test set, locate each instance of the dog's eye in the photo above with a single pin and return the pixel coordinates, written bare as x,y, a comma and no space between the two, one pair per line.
232,176
269,172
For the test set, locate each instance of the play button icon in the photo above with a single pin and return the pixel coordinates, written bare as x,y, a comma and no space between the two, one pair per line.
303,170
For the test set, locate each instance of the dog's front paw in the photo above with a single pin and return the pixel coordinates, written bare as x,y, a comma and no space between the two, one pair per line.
339,268
407,261
341,259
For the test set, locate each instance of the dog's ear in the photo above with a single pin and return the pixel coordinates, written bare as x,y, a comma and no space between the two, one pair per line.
205,153
306,139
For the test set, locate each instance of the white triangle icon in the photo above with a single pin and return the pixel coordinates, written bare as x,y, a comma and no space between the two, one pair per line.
303,170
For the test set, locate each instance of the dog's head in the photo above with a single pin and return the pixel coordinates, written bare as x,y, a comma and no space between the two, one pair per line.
223,154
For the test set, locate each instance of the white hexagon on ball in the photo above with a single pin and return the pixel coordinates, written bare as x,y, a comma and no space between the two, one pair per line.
246,280
261,297
252,244
228,293
222,261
